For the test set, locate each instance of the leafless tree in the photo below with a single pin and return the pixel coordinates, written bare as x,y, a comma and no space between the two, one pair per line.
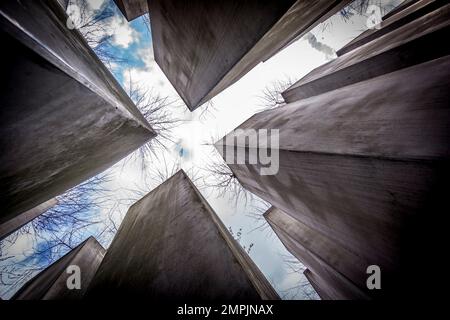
55,232
238,237
271,96
96,28
219,176
301,289
156,109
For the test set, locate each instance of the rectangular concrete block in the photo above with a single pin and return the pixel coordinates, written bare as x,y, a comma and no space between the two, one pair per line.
204,46
344,270
51,283
401,7
364,165
22,219
411,44
132,9
317,283
63,117
409,14
172,246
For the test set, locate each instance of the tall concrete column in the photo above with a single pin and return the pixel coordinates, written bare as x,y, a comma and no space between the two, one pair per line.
317,284
411,44
401,7
366,165
205,46
172,246
51,284
22,219
415,10
132,9
63,116
343,273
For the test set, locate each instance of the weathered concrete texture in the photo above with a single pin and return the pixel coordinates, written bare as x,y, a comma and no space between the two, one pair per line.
409,14
22,219
205,46
364,163
408,45
171,245
63,116
403,6
63,3
51,284
316,283
336,265
132,9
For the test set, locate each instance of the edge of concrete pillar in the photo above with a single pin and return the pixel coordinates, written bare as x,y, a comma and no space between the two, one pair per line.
50,284
244,65
192,286
22,219
338,285
402,6
296,20
316,285
260,282
63,3
39,28
132,9
383,55
413,12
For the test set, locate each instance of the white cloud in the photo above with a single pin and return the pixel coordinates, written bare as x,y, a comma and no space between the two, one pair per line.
123,34
96,4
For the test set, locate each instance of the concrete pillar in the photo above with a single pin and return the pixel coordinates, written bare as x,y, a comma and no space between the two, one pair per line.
365,165
411,44
407,15
344,270
132,9
51,284
317,284
19,221
63,3
63,116
172,246
401,7
205,46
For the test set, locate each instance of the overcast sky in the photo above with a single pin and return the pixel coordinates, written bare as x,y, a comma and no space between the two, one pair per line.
231,107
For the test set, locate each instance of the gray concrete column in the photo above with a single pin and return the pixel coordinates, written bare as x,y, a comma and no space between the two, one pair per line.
205,46
63,116
63,3
132,9
366,165
172,246
22,219
317,284
344,272
407,15
401,7
51,283
415,42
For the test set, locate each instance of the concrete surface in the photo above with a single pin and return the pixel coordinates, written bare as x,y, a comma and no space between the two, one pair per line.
365,165
172,246
63,3
403,47
205,46
403,6
344,272
22,219
132,9
409,14
316,283
51,283
64,118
